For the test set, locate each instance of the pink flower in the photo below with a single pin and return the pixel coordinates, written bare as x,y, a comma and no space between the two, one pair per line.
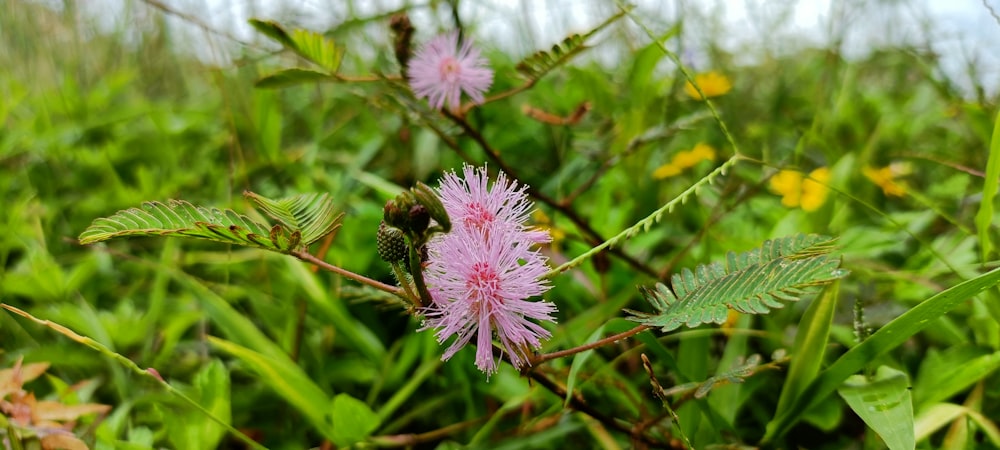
482,273
471,203
480,279
443,68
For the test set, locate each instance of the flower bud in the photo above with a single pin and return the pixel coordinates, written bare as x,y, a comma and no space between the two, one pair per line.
391,244
419,218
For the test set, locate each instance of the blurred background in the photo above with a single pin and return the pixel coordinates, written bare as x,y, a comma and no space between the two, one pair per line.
106,104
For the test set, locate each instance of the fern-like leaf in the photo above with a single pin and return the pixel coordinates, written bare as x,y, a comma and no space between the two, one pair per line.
542,62
180,218
752,282
312,214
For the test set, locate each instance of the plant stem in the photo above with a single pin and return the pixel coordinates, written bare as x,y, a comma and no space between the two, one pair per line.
572,351
307,257
401,277
409,440
417,272
577,402
591,234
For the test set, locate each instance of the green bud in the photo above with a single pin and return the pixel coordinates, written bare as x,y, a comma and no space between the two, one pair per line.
427,197
391,244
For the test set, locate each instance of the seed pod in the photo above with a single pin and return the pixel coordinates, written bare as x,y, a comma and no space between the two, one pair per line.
391,244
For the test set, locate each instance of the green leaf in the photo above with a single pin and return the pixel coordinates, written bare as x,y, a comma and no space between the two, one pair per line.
291,77
810,345
887,338
314,215
941,378
310,45
752,282
317,48
211,390
180,218
984,218
542,62
353,420
273,31
884,404
287,380
937,416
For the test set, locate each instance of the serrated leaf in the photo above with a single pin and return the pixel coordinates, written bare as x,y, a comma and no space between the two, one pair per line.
753,282
311,216
273,30
317,48
541,62
180,218
291,77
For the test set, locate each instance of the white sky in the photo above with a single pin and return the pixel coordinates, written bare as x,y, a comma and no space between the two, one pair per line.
961,30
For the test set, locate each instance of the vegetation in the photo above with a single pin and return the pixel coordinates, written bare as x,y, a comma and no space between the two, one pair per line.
795,252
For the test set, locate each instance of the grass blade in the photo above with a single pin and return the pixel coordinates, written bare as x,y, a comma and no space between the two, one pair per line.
887,338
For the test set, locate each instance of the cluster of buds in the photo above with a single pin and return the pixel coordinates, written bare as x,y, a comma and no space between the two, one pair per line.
414,215
411,212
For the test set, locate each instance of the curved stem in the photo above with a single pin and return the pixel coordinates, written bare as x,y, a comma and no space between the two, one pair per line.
417,272
598,343
401,277
307,257
409,440
591,234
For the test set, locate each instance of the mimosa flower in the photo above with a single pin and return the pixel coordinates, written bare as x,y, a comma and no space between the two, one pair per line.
444,68
480,279
471,202
798,191
885,178
713,84
482,273
684,160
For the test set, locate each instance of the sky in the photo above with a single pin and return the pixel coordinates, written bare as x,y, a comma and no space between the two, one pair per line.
963,32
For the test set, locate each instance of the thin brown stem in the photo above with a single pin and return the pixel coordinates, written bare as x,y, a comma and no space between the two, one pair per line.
599,343
508,93
407,440
578,403
301,306
307,257
366,78
589,232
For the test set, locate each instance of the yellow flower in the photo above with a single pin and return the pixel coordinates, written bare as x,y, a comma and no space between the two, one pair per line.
543,222
798,191
885,178
684,160
713,84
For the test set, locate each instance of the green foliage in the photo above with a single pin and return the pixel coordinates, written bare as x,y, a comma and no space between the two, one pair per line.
886,338
536,65
310,45
984,217
310,214
884,403
751,282
199,345
304,219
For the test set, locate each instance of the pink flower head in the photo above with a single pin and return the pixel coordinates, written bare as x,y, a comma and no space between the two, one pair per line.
481,274
480,278
443,68
471,203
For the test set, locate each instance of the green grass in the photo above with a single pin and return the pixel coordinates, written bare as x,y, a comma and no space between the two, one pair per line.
248,344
